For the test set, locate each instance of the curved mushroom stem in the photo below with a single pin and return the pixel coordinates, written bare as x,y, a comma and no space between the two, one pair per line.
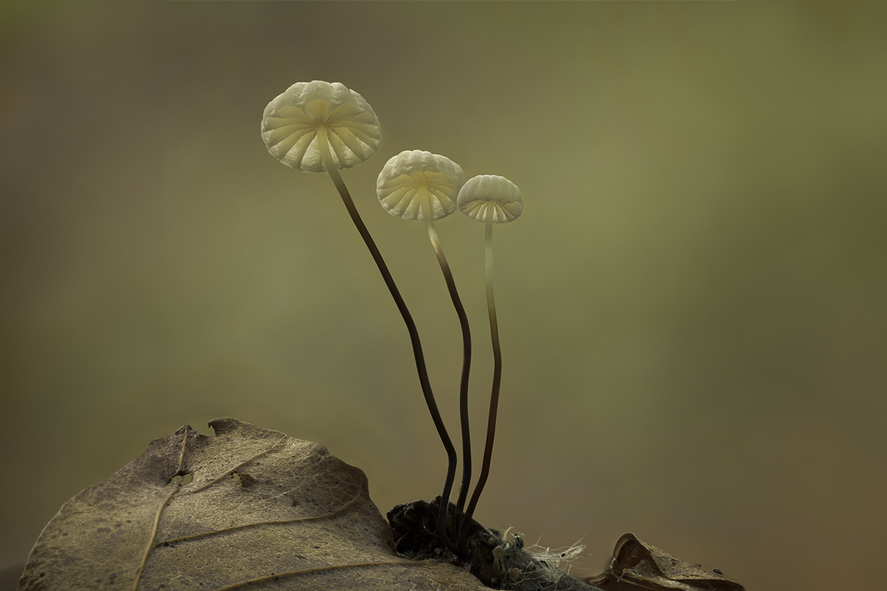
497,365
332,169
466,352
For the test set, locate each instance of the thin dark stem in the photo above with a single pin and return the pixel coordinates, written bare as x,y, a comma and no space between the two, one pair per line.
466,358
333,171
497,368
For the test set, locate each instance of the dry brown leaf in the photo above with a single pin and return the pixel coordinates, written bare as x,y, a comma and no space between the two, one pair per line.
248,509
639,565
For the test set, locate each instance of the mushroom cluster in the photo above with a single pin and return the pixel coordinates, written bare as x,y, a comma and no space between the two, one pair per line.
323,127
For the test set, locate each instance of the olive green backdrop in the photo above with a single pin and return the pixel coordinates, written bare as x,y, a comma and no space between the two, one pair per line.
693,306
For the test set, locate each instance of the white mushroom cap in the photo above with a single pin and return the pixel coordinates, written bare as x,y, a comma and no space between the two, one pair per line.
412,176
490,193
290,123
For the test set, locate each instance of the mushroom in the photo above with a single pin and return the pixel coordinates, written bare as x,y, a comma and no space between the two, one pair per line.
296,123
419,185
490,199
321,126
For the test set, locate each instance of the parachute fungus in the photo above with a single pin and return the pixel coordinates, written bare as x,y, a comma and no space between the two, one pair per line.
321,126
490,199
419,185
301,125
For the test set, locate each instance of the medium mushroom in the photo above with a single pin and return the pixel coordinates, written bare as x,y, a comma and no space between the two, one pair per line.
490,199
419,185
321,126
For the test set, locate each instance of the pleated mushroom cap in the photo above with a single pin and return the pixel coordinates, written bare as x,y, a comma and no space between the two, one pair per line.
490,194
291,120
414,176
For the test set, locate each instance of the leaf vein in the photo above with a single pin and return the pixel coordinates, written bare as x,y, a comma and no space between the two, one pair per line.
329,515
319,569
176,486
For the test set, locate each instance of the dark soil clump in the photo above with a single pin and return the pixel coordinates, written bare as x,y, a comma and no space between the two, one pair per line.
496,562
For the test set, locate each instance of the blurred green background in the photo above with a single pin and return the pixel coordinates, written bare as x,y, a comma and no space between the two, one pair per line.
693,306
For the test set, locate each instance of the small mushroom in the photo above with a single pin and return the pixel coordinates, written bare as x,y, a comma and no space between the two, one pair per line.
419,185
322,126
301,125
490,199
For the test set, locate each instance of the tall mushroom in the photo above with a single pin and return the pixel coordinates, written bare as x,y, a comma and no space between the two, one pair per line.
321,126
419,185
490,199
